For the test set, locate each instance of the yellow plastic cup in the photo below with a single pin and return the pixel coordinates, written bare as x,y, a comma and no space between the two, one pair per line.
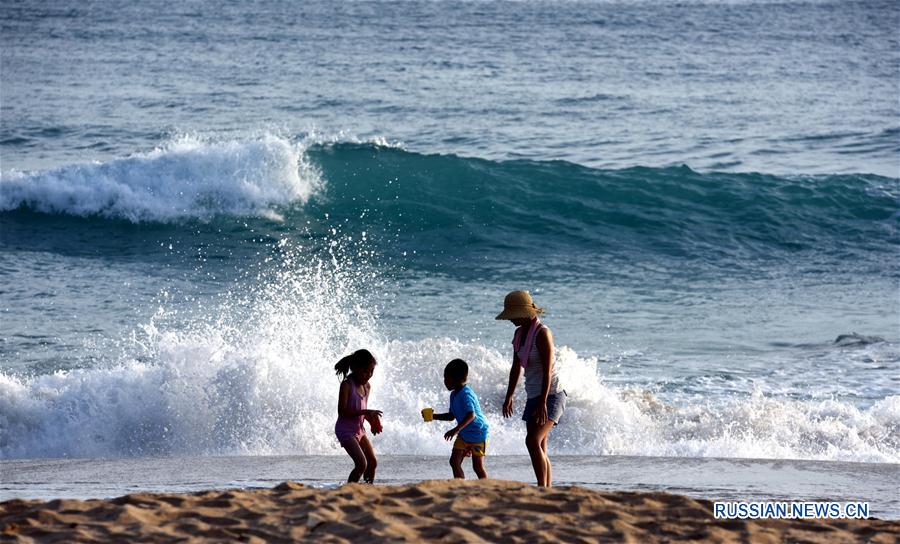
427,414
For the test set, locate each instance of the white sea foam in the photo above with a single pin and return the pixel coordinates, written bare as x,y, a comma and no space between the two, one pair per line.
257,378
254,375
189,177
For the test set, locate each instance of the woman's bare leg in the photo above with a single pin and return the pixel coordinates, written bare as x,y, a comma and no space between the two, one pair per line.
547,456
535,437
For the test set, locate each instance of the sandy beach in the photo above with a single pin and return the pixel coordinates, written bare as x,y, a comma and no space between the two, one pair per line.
439,510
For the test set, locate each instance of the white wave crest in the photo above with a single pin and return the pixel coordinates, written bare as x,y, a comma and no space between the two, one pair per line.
254,375
214,394
187,178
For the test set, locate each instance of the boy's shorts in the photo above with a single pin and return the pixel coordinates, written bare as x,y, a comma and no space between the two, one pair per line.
471,448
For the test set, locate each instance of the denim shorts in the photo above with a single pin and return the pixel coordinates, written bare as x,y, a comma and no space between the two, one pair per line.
556,405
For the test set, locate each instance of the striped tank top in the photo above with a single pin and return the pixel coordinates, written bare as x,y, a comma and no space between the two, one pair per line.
534,371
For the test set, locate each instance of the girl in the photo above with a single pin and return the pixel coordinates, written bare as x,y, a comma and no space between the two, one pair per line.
533,352
357,370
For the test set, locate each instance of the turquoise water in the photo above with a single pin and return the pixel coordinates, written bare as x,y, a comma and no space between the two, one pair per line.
201,210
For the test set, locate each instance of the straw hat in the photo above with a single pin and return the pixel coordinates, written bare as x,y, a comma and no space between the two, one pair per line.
519,304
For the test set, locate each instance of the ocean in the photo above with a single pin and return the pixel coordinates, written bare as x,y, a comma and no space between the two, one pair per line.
203,207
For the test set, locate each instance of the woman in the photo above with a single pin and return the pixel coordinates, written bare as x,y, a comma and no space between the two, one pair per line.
533,352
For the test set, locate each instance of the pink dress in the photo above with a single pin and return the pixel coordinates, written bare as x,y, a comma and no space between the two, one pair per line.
351,428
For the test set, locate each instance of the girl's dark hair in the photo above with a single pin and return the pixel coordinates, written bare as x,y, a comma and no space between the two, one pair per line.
356,360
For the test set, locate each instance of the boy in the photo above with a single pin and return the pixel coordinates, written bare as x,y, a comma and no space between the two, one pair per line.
471,426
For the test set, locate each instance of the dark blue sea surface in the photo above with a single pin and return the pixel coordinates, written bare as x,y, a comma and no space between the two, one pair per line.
203,207
775,87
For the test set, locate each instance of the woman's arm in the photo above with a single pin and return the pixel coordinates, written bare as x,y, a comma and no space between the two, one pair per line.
514,374
443,417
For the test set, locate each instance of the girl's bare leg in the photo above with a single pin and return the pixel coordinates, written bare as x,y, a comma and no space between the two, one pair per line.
371,461
359,459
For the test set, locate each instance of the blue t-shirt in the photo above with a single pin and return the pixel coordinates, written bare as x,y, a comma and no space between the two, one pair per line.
461,403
